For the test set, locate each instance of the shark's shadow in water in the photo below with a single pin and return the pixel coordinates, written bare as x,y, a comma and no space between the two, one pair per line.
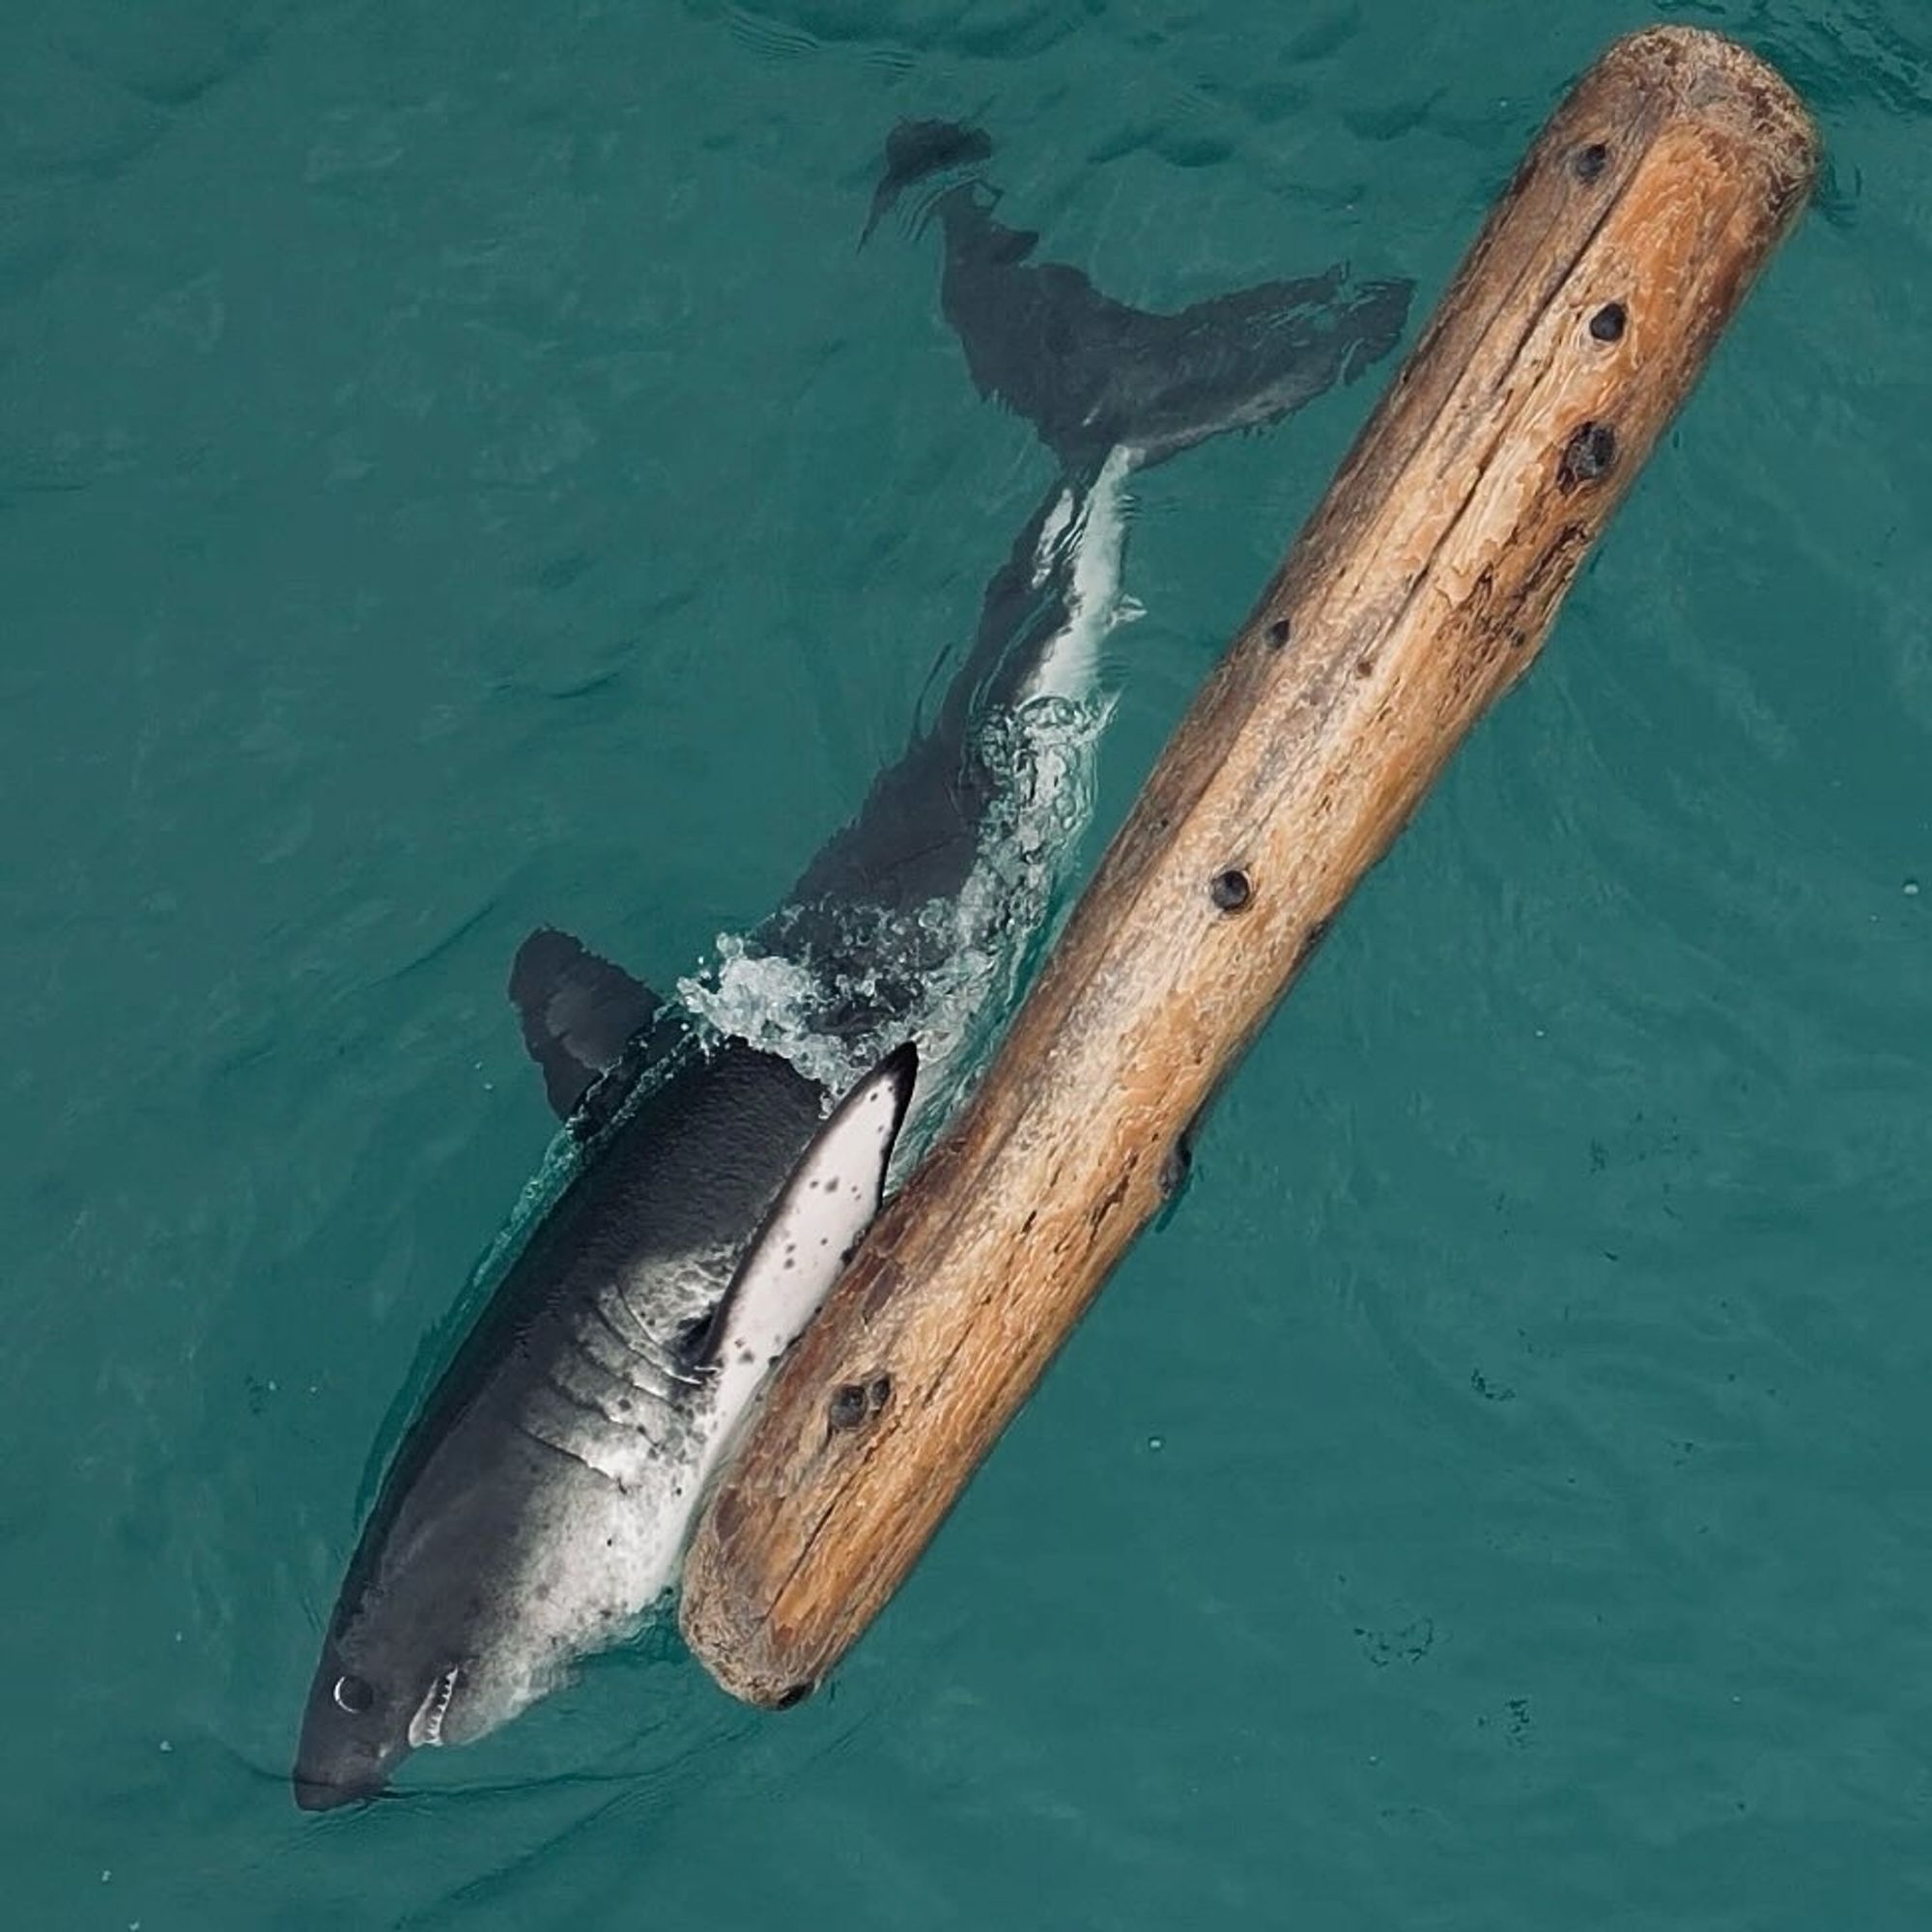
537,1505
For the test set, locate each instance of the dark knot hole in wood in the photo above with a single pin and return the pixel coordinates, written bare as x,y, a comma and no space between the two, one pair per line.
1230,890
1588,163
1590,453
852,1404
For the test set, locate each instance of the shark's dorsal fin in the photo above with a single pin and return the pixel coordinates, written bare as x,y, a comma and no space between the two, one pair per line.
579,1013
806,1238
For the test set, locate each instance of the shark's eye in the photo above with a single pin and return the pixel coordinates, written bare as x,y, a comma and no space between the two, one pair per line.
354,1695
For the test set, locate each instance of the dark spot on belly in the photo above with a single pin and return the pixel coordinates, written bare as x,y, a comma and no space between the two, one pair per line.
847,1407
878,1392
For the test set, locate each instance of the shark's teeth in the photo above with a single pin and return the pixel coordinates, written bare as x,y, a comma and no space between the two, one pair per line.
426,1726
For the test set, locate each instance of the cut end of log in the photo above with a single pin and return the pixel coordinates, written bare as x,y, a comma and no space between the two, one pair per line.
1716,80
1702,76
738,1656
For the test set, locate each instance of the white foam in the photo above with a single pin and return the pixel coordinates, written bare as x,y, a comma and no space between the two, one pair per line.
1042,754
1095,531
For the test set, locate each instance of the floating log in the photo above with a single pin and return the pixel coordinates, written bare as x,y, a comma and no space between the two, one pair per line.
1418,592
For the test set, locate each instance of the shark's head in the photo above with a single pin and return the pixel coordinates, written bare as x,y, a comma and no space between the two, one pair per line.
417,1656
371,1704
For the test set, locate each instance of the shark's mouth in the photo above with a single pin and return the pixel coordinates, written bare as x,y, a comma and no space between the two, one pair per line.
426,1726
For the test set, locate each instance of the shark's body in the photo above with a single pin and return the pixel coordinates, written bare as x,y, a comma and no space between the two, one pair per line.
538,1504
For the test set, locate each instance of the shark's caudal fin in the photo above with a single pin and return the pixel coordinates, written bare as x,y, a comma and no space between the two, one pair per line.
1093,375
916,150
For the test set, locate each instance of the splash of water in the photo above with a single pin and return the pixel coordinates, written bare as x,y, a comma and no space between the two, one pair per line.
971,953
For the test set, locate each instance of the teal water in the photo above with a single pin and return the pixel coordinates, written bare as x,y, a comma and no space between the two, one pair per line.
457,472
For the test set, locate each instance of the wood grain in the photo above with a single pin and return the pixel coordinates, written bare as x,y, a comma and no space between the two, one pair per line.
1421,589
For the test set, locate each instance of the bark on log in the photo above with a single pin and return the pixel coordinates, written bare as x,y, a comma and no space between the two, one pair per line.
1419,591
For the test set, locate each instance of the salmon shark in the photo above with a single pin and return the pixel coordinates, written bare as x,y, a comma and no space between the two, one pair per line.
536,1508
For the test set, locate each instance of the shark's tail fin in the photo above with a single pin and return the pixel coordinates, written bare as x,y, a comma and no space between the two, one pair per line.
1093,375
915,152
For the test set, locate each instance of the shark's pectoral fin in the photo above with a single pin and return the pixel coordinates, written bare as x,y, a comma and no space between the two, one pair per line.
807,1236
579,1013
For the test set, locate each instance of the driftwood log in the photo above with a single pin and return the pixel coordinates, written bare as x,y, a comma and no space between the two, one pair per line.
1418,592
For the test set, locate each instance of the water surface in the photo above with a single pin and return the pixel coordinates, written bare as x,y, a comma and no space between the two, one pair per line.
457,472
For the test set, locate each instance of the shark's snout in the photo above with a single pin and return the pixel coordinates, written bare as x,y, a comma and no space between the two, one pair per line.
353,1739
329,1784
320,1794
